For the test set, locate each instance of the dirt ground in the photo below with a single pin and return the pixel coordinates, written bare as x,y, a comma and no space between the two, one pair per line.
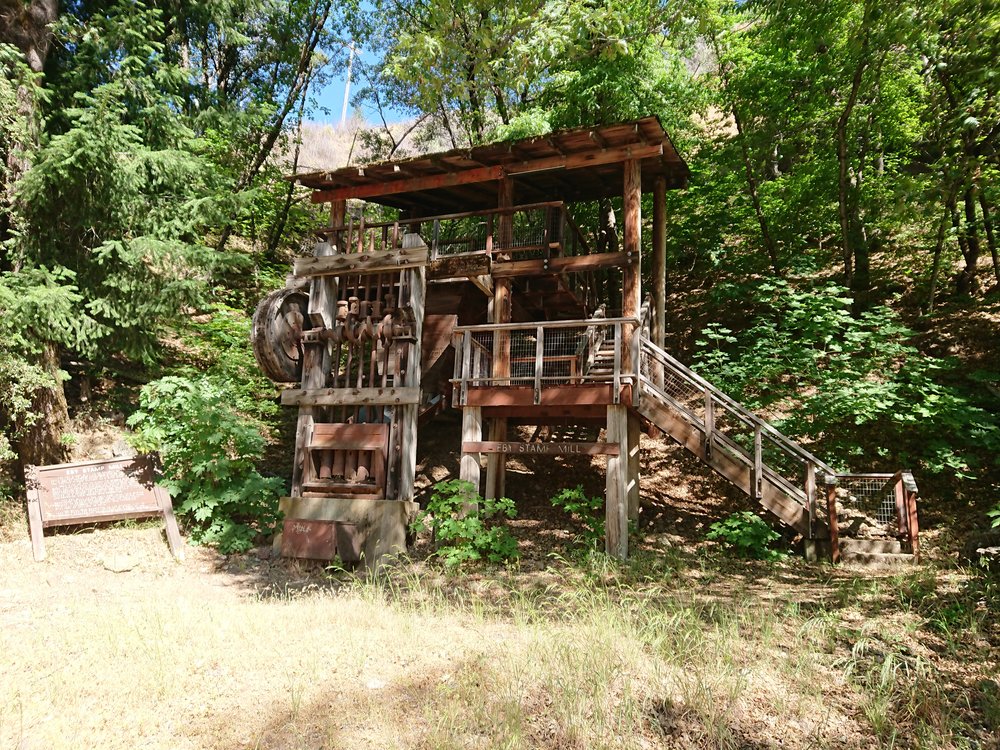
110,643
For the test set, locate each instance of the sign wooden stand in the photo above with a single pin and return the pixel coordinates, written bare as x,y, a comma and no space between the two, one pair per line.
96,491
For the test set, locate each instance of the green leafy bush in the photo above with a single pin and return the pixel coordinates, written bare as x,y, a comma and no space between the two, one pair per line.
589,511
747,534
464,526
209,452
852,385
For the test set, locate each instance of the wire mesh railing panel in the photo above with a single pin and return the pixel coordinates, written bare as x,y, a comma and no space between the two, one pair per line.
866,505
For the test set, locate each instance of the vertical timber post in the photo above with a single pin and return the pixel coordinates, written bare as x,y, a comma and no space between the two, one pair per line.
496,467
632,240
831,509
417,283
632,480
472,432
616,502
659,271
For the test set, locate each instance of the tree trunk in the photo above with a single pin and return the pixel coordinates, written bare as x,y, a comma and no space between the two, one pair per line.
967,282
991,241
949,210
41,442
26,25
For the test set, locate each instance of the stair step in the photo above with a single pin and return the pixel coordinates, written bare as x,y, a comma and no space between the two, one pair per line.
877,559
872,547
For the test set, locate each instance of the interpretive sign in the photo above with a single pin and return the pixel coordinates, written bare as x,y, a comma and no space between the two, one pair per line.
543,449
93,491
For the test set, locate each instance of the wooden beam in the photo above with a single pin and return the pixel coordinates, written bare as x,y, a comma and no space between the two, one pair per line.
585,159
569,395
364,263
568,264
409,185
543,449
458,266
349,396
487,174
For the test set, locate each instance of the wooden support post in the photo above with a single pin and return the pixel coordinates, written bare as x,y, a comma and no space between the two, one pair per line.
616,498
910,489
338,213
472,432
632,243
831,510
757,477
709,424
902,512
810,487
496,463
35,527
496,466
632,481
659,269
409,414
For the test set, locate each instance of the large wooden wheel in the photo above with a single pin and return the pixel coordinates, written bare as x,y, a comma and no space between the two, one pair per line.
278,323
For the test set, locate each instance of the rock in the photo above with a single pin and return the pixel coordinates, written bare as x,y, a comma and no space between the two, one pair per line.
120,563
982,550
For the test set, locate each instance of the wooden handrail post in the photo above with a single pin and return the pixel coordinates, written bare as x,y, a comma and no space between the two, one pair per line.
831,509
910,488
709,424
539,361
810,488
466,358
757,479
902,511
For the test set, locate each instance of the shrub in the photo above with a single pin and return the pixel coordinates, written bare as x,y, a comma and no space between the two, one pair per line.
464,526
747,534
209,452
587,510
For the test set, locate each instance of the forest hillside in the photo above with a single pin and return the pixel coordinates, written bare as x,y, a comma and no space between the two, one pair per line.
833,264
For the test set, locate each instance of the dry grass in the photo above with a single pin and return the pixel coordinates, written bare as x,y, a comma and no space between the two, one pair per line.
679,650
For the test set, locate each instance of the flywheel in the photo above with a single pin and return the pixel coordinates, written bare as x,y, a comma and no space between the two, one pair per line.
278,323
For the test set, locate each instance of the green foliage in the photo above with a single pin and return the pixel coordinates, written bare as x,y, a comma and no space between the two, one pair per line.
209,452
465,527
747,534
589,511
848,383
994,516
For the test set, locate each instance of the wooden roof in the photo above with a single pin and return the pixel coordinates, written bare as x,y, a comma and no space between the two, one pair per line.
568,165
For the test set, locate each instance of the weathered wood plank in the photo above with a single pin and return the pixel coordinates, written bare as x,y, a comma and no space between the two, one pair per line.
410,184
632,479
349,396
568,264
458,266
339,264
472,433
543,449
570,395
616,500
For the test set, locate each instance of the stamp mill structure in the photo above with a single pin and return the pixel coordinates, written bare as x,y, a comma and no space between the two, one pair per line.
486,296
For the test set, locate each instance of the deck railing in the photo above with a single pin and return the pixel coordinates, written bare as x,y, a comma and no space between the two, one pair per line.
535,230
574,352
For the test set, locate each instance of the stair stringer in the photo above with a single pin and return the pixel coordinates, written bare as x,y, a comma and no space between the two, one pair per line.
789,509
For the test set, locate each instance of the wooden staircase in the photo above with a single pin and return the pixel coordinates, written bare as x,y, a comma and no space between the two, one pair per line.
777,473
